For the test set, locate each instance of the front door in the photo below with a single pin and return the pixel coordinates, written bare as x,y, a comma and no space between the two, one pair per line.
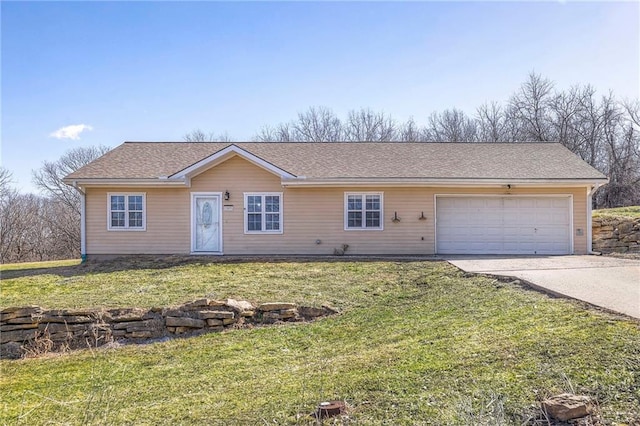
205,226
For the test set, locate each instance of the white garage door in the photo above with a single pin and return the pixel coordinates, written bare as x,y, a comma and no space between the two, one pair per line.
503,225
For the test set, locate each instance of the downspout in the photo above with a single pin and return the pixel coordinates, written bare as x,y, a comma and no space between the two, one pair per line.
83,223
590,191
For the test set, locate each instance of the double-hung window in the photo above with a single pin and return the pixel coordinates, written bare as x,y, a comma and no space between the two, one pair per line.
363,210
126,212
263,213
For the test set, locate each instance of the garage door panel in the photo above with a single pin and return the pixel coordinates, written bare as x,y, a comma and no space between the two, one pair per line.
503,225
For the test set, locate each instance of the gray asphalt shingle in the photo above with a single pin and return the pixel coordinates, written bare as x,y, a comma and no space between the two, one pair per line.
375,160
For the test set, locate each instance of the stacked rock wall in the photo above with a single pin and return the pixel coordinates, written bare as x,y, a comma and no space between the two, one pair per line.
33,330
616,234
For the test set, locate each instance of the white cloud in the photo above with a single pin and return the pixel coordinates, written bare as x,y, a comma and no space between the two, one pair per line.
70,132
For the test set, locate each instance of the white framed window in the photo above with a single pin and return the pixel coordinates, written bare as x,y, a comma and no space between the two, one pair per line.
363,211
126,211
263,213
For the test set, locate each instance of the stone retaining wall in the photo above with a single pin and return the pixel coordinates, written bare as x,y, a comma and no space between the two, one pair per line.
616,234
31,330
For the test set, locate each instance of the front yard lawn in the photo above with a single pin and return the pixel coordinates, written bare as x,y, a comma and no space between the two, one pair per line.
416,343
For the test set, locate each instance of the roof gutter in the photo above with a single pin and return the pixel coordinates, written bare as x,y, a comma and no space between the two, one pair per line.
149,182
415,182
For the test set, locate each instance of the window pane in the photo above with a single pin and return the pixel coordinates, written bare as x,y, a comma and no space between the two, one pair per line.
117,202
354,202
135,219
254,203
373,202
272,203
117,219
254,222
135,202
272,222
373,220
354,220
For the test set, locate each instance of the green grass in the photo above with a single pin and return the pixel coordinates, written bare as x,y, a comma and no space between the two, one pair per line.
38,265
417,343
631,211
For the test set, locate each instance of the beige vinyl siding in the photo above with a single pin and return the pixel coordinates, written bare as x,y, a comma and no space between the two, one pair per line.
309,214
167,223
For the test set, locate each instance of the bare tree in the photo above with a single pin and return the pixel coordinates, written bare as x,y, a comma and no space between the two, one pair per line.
492,123
9,215
62,198
366,125
622,147
318,124
451,125
283,132
602,131
530,108
198,135
410,132
49,177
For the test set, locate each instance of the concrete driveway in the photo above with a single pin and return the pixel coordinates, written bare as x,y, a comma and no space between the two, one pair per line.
608,282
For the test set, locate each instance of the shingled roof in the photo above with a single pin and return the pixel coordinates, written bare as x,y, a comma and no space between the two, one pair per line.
354,160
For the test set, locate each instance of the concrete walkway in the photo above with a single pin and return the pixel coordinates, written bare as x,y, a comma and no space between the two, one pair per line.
608,282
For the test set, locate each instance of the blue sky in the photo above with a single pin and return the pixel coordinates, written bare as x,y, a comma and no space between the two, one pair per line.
156,70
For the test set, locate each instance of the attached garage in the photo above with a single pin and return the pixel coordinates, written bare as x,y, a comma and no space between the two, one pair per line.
503,224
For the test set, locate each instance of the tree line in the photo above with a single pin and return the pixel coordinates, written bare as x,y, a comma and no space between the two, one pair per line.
601,129
46,226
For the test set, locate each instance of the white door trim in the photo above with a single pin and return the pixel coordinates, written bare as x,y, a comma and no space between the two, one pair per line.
193,197
502,195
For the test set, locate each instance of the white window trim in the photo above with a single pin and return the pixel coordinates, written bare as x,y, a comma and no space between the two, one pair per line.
263,213
363,228
126,215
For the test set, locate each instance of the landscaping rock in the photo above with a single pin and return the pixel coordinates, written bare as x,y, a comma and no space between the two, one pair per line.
56,328
271,316
23,320
239,305
141,334
311,312
215,314
616,234
10,327
21,311
72,319
276,306
123,315
32,330
568,406
10,350
131,325
17,335
288,313
184,322
196,304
